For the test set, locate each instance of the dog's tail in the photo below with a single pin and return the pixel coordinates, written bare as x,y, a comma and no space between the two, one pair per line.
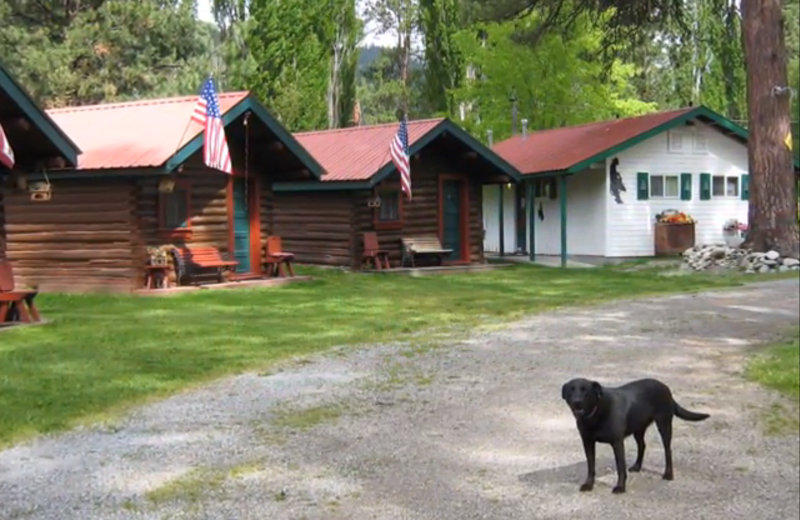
687,415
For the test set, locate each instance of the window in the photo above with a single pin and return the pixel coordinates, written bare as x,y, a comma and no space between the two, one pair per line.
675,142
175,209
389,214
700,144
664,186
722,186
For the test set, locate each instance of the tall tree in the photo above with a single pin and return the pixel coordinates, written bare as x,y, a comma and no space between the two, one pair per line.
402,18
773,194
555,83
444,68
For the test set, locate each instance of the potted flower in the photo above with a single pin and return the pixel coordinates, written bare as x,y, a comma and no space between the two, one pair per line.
734,232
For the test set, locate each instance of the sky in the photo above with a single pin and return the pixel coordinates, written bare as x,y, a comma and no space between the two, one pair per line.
372,38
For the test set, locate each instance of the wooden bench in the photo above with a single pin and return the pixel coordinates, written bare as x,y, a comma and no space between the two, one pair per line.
275,258
422,245
15,306
205,257
373,254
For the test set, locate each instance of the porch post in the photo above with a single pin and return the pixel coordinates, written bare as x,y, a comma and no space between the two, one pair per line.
502,223
531,221
563,203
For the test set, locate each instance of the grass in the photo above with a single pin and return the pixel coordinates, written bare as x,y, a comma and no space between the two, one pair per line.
308,417
778,367
102,353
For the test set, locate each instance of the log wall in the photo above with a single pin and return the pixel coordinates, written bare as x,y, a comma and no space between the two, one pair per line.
83,239
316,226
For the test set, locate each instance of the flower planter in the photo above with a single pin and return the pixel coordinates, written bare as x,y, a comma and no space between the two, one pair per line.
673,239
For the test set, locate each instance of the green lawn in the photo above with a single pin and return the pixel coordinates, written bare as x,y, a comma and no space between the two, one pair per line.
778,367
101,353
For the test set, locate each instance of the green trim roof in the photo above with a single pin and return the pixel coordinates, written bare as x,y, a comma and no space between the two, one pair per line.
31,110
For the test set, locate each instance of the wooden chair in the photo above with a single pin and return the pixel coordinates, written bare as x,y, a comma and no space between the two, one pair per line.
422,245
205,257
15,305
373,253
275,258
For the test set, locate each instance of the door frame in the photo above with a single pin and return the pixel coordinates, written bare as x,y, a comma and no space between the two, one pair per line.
254,216
465,212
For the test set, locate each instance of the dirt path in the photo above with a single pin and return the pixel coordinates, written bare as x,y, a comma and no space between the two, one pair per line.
472,430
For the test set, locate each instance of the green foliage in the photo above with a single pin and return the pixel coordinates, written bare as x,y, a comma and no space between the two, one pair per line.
444,68
120,50
558,82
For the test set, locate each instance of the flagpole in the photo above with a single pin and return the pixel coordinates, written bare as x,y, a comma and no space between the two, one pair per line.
186,128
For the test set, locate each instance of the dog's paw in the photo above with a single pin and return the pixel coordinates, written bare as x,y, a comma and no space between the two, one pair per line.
618,490
587,486
636,468
668,476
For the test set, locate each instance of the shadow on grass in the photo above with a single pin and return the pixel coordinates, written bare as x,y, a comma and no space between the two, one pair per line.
102,352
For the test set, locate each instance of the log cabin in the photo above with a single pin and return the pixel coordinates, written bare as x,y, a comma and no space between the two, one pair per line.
35,140
323,221
140,181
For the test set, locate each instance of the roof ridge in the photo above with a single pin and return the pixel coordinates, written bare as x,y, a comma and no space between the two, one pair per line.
364,127
138,102
609,121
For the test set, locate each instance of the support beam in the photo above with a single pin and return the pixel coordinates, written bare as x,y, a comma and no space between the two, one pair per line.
502,223
562,192
20,124
531,207
470,155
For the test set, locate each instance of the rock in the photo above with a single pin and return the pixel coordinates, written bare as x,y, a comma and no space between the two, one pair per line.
791,262
764,269
772,255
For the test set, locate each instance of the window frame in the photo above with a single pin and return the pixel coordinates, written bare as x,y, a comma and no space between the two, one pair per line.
163,200
725,179
380,224
664,196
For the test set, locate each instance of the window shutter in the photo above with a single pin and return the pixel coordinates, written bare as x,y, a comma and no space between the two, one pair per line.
745,187
705,186
686,186
642,186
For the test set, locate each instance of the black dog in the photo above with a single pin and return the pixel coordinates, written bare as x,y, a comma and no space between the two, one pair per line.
609,415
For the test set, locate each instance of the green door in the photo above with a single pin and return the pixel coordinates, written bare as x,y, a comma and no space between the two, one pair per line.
241,226
451,218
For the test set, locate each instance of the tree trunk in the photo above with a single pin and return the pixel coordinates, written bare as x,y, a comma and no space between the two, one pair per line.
773,189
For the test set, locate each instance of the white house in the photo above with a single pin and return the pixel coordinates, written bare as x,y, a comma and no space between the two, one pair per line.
691,160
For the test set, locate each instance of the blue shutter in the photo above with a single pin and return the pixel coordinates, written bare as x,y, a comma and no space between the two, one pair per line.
705,186
642,186
745,187
686,186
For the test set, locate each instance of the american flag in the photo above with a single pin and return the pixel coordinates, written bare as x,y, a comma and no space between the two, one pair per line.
215,146
6,153
399,150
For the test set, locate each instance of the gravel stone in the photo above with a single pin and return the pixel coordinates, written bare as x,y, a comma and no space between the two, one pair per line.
474,428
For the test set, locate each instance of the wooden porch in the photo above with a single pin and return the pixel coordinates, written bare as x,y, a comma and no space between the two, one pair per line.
241,284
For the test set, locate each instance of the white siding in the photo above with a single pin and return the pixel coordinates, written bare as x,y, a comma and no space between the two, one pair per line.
491,218
585,217
630,225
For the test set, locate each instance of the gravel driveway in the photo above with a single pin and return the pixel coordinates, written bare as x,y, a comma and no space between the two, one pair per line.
470,429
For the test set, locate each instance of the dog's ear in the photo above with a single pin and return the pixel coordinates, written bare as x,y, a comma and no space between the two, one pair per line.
598,389
564,391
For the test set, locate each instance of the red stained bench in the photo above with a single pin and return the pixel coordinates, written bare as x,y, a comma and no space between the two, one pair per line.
205,257
15,306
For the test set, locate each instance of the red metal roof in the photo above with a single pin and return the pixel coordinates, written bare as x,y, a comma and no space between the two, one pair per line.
136,134
357,153
561,148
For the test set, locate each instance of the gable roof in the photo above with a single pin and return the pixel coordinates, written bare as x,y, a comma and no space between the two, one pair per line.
358,157
15,101
573,148
157,132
